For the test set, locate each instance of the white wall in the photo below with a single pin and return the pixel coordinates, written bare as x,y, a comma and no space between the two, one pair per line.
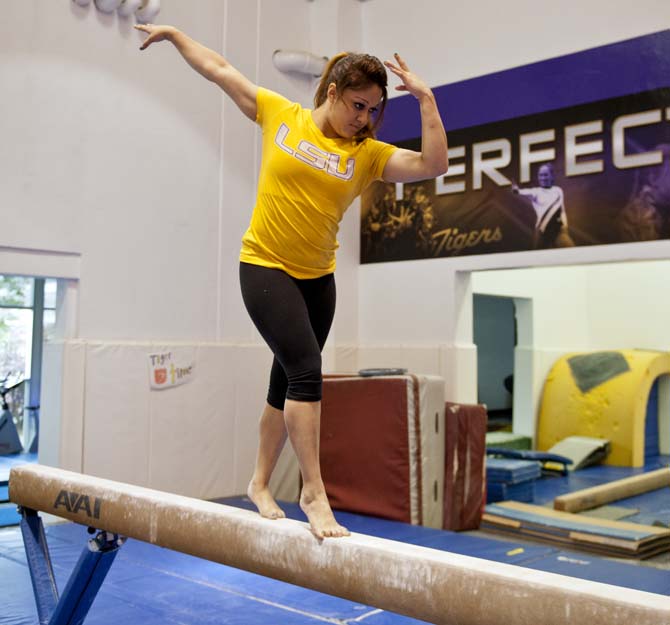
584,307
629,305
103,157
451,41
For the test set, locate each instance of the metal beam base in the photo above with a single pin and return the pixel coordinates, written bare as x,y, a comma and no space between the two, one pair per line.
73,605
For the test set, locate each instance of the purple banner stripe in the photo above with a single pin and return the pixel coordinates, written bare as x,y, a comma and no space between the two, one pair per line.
631,66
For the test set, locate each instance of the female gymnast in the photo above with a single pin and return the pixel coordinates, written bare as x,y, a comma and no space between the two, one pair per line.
315,162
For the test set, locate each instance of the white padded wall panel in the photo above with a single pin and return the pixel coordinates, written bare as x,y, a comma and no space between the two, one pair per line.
116,417
346,359
215,409
192,428
61,402
285,481
416,358
250,370
198,439
72,406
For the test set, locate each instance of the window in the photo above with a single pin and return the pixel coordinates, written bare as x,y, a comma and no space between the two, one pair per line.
27,316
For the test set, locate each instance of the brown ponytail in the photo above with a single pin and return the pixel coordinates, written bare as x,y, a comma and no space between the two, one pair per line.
349,70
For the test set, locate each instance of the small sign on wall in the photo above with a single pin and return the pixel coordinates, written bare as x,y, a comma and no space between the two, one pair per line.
168,369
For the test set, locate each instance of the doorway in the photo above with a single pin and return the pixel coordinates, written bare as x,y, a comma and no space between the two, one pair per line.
495,335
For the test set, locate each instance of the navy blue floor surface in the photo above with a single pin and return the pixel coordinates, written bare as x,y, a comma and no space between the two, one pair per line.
151,585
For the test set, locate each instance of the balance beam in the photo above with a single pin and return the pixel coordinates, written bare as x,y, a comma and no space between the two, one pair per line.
435,586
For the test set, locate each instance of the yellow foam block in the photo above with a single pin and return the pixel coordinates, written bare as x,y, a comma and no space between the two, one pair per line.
614,409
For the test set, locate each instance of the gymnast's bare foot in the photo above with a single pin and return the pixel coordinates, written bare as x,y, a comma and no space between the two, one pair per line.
320,516
264,501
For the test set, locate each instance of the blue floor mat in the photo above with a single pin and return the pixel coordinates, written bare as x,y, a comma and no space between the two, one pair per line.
8,461
8,515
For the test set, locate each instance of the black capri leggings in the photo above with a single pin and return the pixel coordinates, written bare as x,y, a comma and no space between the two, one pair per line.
294,317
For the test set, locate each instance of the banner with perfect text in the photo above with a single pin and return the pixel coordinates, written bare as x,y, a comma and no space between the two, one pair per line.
591,174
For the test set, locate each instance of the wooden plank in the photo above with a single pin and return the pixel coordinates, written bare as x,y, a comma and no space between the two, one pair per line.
427,584
612,491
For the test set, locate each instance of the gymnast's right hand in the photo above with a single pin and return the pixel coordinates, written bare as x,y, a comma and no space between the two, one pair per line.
156,33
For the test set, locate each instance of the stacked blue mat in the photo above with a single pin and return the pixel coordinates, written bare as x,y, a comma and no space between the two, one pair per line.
508,479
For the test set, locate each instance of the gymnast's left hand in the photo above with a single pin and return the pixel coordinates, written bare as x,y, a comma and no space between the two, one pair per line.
410,81
156,33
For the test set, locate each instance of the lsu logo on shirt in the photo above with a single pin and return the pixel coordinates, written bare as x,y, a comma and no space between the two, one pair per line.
315,157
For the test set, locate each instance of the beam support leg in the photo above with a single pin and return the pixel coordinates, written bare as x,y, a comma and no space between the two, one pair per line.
87,576
39,563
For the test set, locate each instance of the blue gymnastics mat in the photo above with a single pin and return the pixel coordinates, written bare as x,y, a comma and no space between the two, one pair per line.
12,460
151,585
8,514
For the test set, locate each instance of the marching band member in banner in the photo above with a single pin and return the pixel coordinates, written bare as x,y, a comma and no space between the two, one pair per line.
314,164
551,225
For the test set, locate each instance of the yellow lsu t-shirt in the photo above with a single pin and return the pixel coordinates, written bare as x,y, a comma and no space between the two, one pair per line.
306,183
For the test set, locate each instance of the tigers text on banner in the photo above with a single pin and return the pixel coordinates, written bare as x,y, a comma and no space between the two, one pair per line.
168,369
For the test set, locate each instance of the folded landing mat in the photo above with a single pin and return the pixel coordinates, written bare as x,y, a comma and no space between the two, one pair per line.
382,446
549,463
610,538
511,471
465,476
584,451
501,491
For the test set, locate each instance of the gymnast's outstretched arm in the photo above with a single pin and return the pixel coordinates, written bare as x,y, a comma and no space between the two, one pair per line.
208,63
433,160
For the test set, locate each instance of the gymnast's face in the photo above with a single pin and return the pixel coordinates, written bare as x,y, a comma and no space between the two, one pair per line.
351,110
544,177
